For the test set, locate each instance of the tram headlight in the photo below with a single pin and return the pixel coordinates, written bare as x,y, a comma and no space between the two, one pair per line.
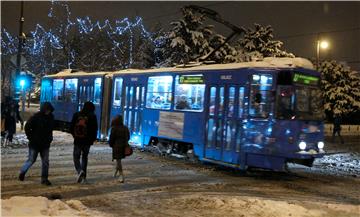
302,145
320,145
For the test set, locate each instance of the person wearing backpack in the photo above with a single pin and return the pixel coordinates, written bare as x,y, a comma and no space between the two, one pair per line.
39,131
119,137
83,128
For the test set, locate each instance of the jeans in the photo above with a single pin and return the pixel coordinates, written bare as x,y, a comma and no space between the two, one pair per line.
44,154
78,151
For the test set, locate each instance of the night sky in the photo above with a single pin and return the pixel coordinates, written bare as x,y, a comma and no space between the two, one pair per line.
297,24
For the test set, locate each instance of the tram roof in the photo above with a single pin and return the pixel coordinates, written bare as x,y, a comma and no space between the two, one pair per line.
69,73
268,62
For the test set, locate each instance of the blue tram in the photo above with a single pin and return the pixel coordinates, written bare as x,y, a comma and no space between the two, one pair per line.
259,114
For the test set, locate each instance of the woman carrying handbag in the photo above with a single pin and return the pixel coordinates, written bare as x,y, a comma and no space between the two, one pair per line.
118,141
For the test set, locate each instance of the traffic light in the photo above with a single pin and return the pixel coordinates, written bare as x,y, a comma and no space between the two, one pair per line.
23,82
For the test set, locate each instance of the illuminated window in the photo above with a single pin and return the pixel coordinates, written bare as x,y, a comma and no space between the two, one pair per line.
159,92
212,100
71,90
97,91
58,87
241,102
46,90
260,95
117,91
189,93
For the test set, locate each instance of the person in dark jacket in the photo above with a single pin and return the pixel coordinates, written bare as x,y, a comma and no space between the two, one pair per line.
10,114
119,137
39,131
337,128
84,128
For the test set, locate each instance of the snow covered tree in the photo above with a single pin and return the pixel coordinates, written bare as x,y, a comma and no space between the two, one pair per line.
188,40
341,88
226,53
260,43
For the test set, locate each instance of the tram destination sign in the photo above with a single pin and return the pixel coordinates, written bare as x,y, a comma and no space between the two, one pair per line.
305,79
191,79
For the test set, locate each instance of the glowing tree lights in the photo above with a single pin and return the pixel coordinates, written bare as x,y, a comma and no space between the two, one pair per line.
66,43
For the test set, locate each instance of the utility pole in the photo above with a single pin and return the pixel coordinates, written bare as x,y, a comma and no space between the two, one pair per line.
21,39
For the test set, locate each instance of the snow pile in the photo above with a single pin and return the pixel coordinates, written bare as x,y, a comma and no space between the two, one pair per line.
289,62
348,163
41,206
220,205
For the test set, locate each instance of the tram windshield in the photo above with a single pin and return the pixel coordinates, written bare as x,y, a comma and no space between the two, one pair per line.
299,102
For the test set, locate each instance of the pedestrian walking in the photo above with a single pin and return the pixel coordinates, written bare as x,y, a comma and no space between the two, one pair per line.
118,141
83,128
10,115
337,129
39,131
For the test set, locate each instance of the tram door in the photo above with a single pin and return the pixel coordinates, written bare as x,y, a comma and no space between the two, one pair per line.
224,123
133,106
90,90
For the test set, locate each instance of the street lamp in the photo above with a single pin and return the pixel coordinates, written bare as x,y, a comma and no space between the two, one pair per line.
321,44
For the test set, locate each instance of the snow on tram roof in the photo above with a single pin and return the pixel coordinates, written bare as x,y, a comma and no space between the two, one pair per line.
70,72
268,62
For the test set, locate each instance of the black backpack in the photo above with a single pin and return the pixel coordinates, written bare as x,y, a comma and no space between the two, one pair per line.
80,130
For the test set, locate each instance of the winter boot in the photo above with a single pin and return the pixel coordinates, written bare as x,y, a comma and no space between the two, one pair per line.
80,177
121,178
21,176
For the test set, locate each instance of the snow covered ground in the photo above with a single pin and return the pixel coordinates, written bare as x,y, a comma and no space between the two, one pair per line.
42,206
167,187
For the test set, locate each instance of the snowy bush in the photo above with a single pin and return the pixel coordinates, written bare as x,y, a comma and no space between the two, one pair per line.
259,43
341,88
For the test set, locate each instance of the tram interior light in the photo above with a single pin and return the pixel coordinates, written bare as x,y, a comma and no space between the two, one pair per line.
256,77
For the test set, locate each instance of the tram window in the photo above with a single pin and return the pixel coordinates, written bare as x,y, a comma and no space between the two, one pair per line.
131,93
126,97
97,91
302,100
285,102
58,87
159,92
211,130
142,96
231,101
260,95
117,91
137,99
189,96
71,90
263,81
212,100
230,133
46,90
219,133
221,100
260,103
241,102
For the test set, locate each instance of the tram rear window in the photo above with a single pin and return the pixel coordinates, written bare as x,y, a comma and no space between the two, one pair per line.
46,90
71,90
97,90
159,92
189,92
117,91
58,87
